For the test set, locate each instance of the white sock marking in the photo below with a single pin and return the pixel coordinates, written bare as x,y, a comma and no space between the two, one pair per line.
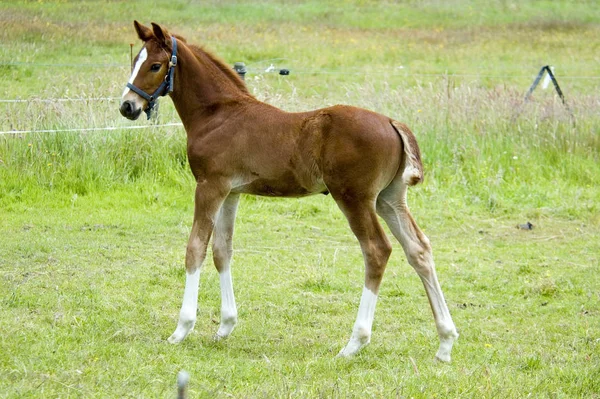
366,312
361,333
143,56
228,307
187,315
190,294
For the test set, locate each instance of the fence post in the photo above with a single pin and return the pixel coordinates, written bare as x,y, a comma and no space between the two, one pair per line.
240,68
545,69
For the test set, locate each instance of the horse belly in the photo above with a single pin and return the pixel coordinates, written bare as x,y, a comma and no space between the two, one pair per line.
274,188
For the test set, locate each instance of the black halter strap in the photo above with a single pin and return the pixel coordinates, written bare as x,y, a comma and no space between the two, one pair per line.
165,87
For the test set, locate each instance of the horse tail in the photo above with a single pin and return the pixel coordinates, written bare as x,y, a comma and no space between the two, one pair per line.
413,168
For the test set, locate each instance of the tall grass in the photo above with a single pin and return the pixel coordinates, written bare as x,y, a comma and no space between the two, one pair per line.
481,146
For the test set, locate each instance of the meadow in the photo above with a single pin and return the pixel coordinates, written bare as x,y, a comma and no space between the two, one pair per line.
94,223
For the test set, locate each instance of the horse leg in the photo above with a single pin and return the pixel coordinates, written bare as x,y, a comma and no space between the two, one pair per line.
208,200
222,251
376,251
392,207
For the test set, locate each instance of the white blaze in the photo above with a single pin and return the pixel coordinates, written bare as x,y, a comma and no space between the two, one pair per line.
141,58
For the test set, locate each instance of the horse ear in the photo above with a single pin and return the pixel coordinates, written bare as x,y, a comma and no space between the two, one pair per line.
144,33
163,36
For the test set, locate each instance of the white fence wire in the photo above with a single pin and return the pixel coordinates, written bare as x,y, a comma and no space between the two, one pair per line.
395,71
91,129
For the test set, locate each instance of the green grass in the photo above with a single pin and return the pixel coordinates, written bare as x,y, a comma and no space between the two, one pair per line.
91,292
94,225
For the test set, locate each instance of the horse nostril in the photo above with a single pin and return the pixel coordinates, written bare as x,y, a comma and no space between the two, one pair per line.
126,108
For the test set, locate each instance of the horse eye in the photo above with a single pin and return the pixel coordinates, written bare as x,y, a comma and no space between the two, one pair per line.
155,67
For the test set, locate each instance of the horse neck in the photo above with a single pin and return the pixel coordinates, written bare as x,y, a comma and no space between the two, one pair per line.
201,86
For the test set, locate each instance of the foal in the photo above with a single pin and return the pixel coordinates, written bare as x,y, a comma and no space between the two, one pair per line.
237,144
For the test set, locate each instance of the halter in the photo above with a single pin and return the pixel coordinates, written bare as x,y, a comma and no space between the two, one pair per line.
165,87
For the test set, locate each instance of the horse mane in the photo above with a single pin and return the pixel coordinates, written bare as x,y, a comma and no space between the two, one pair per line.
231,75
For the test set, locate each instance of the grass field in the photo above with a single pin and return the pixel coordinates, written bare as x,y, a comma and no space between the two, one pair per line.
93,225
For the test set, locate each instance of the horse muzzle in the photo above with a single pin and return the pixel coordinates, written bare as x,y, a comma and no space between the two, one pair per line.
130,110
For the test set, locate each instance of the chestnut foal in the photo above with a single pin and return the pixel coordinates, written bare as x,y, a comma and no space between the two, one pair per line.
237,144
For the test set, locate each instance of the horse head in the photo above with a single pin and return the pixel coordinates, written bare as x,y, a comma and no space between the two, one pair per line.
153,70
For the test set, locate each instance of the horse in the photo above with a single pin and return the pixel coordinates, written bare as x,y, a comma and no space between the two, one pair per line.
237,145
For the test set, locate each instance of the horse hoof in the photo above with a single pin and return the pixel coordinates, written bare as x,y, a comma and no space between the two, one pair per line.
444,358
175,339
218,337
183,329
351,349
226,327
